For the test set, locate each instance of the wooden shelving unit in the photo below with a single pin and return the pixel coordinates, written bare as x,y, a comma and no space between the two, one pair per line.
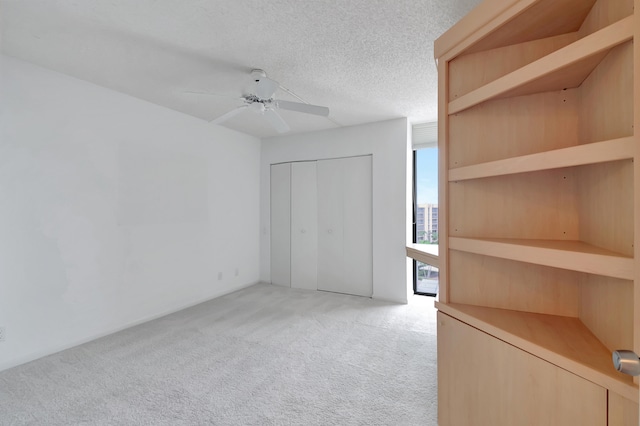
539,205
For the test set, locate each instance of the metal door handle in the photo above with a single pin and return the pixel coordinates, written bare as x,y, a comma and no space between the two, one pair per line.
626,362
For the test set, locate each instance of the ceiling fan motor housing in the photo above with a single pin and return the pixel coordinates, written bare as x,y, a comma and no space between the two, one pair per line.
258,74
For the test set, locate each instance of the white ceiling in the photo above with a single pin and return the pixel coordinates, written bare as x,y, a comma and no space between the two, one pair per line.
367,60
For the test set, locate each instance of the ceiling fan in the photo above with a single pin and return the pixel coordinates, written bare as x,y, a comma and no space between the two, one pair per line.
260,99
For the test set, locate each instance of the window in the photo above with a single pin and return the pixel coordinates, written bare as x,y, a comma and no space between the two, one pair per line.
425,205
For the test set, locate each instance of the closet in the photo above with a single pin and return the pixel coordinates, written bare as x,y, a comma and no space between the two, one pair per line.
321,225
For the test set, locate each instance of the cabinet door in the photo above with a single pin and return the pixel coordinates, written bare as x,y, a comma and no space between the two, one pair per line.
622,411
304,226
345,226
485,381
281,224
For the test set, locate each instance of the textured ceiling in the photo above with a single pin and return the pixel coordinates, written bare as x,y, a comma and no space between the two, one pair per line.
367,60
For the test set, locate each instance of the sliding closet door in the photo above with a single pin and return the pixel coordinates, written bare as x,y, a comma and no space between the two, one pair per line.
345,225
358,226
330,263
304,226
281,224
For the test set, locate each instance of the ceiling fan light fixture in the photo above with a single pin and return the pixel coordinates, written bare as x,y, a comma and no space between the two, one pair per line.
258,107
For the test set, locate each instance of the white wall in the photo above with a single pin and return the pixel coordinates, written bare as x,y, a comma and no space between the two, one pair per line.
113,211
388,142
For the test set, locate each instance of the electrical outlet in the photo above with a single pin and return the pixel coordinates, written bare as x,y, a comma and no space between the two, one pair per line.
3,334
237,271
219,276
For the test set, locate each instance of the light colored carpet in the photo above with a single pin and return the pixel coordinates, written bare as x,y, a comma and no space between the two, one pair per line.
265,355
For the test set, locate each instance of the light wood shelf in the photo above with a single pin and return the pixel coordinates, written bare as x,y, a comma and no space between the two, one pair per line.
562,341
572,255
598,152
564,68
425,253
498,22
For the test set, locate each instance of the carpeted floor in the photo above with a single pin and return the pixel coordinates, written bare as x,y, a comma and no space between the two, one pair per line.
265,355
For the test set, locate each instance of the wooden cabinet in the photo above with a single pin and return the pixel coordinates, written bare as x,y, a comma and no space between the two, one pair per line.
499,384
539,191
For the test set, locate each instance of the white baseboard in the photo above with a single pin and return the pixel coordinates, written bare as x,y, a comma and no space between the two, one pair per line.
50,351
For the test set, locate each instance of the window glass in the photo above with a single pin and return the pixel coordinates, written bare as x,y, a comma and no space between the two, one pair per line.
425,280
426,192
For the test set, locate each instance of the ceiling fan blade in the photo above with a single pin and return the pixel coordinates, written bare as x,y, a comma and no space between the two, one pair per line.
228,115
306,108
276,121
266,88
220,95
